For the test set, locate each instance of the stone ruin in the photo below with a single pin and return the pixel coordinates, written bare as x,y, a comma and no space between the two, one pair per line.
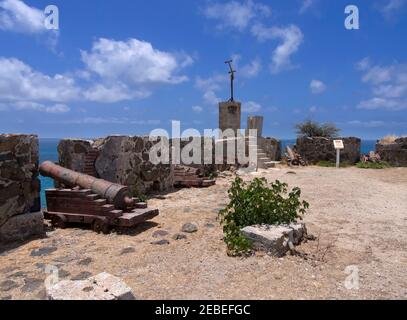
317,149
20,207
395,153
119,159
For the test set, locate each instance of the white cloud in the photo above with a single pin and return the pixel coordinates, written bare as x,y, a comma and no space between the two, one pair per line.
383,103
19,82
251,107
391,7
313,109
236,15
317,86
197,109
363,64
251,70
114,93
35,106
210,87
134,62
16,16
378,75
110,120
291,38
366,124
306,5
115,71
130,69
388,85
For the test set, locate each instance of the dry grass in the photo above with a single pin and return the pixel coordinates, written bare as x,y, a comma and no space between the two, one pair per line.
389,139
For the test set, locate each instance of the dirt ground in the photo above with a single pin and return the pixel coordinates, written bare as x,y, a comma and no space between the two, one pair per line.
359,217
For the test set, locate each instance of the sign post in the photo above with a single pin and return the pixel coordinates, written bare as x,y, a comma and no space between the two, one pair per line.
338,144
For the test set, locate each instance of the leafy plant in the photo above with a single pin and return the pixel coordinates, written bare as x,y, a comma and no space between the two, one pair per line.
312,129
257,203
373,165
142,198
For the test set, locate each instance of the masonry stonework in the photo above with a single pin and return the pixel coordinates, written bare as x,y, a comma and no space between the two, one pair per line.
230,115
317,149
119,159
395,154
20,206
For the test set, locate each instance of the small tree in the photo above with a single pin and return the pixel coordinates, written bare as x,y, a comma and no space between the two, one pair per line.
258,202
312,129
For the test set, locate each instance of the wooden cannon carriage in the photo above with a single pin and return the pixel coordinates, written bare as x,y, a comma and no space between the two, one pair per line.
92,201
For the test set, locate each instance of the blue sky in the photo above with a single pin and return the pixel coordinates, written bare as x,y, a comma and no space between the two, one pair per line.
127,67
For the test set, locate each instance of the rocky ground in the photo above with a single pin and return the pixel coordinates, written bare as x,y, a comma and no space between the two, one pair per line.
359,217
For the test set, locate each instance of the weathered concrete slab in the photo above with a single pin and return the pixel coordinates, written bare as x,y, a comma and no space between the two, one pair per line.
104,286
21,227
275,239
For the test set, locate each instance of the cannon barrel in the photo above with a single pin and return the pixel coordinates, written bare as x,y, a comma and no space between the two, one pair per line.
114,193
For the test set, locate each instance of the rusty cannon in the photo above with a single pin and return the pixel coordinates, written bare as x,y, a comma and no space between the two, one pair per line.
114,193
90,200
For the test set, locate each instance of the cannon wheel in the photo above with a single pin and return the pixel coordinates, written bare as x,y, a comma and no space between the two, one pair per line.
59,221
101,226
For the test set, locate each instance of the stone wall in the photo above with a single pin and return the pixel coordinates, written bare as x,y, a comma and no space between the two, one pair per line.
314,150
119,159
271,146
20,205
395,153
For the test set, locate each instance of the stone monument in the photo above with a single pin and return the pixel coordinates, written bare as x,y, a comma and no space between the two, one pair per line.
230,111
255,123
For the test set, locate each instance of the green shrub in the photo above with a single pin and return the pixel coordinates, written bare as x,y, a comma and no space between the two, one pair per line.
257,203
312,129
373,165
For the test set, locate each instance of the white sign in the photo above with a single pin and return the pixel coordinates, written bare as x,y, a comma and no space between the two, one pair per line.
338,144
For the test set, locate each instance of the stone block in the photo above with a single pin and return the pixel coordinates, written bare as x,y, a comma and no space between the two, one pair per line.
230,115
21,227
275,239
104,286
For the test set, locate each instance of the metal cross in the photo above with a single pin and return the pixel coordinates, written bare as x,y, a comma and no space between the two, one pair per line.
232,78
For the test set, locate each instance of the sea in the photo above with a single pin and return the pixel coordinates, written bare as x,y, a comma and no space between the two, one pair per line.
48,151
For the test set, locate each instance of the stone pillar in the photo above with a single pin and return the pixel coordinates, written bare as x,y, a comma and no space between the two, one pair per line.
255,123
20,207
230,115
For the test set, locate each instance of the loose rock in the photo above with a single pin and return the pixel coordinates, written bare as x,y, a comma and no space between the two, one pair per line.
275,239
32,284
179,236
160,233
85,262
127,250
104,286
189,228
42,252
161,242
8,285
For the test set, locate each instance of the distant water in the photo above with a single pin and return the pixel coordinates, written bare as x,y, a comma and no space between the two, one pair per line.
365,148
48,151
